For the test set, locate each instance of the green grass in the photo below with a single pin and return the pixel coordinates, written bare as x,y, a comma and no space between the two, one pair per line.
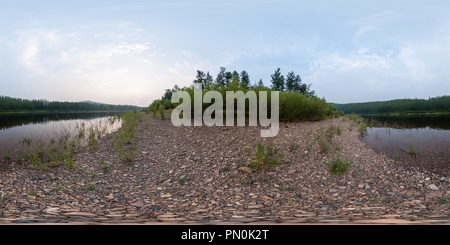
337,165
59,149
444,200
262,157
91,187
324,138
361,122
413,151
125,141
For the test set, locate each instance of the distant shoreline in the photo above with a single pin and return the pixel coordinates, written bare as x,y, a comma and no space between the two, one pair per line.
406,113
50,112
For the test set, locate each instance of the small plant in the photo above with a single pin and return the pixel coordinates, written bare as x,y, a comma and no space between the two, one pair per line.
3,199
27,140
263,159
292,146
93,175
62,188
90,187
337,166
105,168
245,182
287,188
32,192
444,200
161,110
127,136
182,179
91,140
362,129
413,151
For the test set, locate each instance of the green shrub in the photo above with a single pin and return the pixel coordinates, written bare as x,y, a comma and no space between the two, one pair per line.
263,159
293,106
337,165
127,135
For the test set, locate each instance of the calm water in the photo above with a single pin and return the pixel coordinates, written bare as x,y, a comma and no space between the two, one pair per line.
14,129
420,141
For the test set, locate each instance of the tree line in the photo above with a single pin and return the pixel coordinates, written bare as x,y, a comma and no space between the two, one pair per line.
297,100
9,104
439,103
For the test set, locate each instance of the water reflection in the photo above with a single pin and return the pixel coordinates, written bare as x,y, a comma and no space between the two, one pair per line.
15,120
420,141
18,131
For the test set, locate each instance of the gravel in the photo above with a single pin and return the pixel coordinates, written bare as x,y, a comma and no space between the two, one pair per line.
201,175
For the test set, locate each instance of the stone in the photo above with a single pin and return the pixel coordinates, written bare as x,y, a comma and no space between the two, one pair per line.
246,170
433,187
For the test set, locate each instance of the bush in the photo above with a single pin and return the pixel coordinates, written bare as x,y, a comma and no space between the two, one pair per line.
338,166
261,159
294,106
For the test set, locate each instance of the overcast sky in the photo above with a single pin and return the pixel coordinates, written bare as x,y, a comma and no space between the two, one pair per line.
128,52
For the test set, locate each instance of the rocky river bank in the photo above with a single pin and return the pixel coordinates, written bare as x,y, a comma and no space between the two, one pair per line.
201,175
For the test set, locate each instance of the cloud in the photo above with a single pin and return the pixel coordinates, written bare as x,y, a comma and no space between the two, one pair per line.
64,64
416,68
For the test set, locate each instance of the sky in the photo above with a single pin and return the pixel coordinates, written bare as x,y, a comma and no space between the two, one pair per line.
129,52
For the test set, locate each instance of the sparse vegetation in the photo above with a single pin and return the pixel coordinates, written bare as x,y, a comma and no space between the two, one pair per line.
262,158
361,123
297,102
125,142
324,138
91,187
337,165
413,151
58,149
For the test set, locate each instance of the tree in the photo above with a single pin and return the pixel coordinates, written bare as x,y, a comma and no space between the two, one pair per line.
291,83
260,83
221,77
277,81
200,79
228,77
234,84
208,80
245,79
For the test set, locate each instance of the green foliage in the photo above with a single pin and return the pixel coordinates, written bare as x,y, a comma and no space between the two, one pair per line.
277,80
8,104
161,110
361,122
263,159
297,102
125,142
324,138
413,151
91,187
300,107
58,152
439,103
337,165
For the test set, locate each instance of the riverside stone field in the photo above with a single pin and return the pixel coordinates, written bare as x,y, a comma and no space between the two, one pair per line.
199,175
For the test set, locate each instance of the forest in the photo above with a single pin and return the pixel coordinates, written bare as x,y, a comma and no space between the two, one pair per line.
297,101
398,106
8,104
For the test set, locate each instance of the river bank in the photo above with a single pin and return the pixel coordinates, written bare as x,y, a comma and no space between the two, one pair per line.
196,175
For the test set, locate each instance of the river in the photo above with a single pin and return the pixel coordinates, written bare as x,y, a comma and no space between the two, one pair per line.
419,141
18,131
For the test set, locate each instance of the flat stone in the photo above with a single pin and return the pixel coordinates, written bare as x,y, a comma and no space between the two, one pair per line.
246,170
433,187
85,214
